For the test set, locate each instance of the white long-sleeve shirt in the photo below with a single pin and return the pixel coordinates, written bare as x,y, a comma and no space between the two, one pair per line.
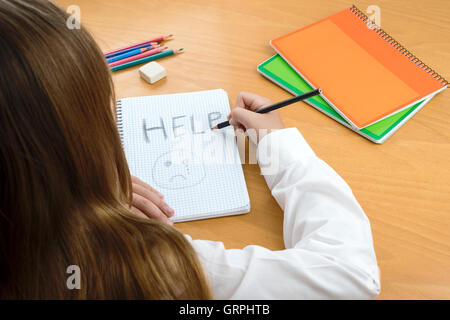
329,249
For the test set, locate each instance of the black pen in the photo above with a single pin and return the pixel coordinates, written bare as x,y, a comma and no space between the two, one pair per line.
277,105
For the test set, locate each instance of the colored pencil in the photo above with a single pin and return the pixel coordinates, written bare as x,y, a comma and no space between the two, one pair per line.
146,59
128,54
137,56
277,106
111,55
157,39
134,52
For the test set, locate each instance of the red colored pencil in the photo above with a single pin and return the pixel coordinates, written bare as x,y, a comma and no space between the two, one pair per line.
157,39
138,56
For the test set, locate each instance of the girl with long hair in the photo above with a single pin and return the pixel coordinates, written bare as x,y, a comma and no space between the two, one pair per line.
67,197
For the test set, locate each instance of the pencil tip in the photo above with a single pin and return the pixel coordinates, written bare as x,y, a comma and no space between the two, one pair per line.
215,127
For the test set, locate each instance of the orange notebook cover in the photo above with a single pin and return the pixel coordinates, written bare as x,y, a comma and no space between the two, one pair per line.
363,73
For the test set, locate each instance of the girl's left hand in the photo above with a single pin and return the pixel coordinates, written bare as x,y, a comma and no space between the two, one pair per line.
148,203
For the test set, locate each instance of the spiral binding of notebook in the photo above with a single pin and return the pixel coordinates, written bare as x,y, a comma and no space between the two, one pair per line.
119,119
361,15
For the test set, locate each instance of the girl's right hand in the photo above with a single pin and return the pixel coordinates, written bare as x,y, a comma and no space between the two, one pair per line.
243,116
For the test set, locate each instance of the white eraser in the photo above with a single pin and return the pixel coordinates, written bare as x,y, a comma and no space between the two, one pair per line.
152,72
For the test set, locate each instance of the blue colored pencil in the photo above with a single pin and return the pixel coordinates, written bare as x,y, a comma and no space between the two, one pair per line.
146,59
128,54
145,45
138,45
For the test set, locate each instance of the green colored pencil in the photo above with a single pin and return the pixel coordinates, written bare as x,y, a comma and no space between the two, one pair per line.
146,59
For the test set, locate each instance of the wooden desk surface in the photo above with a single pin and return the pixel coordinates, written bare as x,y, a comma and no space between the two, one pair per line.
403,185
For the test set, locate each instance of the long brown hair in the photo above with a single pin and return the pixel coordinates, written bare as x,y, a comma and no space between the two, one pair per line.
65,185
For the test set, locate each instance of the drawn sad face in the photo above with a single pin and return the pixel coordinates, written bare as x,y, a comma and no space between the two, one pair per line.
177,169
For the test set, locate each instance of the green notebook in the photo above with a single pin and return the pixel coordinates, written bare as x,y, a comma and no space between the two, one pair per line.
278,71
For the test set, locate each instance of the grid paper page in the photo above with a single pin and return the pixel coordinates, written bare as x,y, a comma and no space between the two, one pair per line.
168,144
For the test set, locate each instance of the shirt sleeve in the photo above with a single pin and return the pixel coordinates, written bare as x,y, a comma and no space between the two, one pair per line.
329,249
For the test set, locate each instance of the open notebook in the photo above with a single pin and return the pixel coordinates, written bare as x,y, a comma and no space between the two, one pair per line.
277,70
364,74
168,144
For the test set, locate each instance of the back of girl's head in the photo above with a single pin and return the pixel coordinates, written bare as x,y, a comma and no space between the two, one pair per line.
65,181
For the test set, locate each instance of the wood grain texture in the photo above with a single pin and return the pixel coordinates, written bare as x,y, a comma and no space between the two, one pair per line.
403,185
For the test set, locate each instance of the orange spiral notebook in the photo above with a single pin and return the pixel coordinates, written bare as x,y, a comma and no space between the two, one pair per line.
364,74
